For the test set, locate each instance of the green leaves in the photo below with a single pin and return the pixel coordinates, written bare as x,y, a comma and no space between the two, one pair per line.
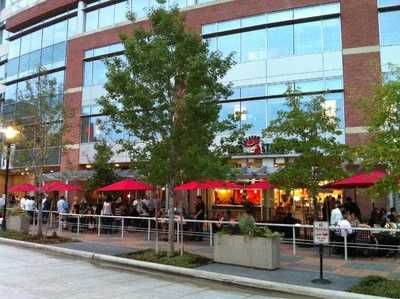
166,96
308,131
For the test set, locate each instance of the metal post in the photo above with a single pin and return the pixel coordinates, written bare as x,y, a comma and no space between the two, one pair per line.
345,246
99,226
51,220
4,224
59,223
294,241
122,227
177,233
148,230
78,224
210,228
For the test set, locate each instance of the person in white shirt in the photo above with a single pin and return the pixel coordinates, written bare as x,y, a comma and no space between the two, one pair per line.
107,211
336,214
22,203
30,206
344,226
2,201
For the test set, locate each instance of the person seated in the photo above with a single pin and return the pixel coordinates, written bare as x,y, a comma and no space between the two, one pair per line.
390,224
354,220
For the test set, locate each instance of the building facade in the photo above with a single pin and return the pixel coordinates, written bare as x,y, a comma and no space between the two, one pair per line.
331,47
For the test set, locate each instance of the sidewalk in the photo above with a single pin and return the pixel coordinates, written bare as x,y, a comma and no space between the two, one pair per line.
298,270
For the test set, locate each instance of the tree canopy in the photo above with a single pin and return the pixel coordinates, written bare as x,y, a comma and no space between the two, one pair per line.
309,131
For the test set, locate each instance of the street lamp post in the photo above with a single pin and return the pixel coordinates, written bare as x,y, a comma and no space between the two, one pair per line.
9,133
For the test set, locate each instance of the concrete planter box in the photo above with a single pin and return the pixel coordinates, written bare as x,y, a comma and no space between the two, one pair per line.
18,223
245,251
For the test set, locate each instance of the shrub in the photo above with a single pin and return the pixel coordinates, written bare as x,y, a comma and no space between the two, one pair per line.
377,286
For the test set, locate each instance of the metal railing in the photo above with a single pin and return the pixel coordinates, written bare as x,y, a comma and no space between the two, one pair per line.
365,241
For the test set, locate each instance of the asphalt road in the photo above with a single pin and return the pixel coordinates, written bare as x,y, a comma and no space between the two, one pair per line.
27,274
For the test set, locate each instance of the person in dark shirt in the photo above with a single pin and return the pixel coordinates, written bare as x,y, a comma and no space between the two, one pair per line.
199,215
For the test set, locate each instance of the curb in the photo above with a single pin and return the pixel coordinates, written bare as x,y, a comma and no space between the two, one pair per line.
211,276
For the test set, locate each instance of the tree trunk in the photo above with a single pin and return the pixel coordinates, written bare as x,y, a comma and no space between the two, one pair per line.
171,224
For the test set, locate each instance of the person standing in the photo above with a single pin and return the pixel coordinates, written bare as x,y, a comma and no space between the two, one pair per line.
22,203
336,214
30,206
199,215
107,211
45,208
62,208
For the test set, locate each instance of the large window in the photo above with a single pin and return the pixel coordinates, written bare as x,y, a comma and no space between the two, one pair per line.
389,28
97,128
253,45
280,41
106,16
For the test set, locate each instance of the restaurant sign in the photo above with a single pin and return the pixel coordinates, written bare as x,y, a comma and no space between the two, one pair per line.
321,232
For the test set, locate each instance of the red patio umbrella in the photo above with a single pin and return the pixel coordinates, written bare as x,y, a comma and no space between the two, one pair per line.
126,185
59,186
361,180
264,185
193,185
23,188
221,185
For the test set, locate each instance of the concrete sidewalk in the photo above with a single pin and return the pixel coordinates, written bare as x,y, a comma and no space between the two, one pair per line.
298,270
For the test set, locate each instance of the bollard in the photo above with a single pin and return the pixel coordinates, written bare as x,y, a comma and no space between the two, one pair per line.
78,224
148,230
294,241
99,226
177,233
122,227
211,234
345,246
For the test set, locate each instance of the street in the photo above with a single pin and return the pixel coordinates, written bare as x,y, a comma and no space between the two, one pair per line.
27,274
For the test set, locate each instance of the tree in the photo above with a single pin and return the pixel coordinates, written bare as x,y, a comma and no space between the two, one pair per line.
40,117
308,129
382,118
166,95
103,171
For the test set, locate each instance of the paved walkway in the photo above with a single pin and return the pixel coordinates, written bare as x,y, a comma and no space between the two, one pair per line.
28,274
300,269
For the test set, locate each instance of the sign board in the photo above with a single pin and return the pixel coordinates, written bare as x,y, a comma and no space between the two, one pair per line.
321,232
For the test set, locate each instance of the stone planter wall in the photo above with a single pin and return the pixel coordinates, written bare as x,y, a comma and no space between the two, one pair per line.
244,251
18,223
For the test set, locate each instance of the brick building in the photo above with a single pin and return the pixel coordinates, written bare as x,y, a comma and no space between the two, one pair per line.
339,48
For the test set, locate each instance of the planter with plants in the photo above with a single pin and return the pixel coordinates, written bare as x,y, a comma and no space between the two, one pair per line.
253,246
17,220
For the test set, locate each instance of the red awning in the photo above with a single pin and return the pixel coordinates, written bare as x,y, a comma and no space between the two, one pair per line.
264,185
23,188
361,180
59,186
126,185
194,185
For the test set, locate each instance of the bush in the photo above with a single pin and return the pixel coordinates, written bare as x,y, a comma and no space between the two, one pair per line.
377,286
248,227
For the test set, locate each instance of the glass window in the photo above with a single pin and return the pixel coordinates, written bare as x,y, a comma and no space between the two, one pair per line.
12,67
252,91
307,12
389,27
230,44
383,3
273,108
278,88
212,44
254,21
88,73
11,93
254,113
106,16
34,62
85,129
48,36
60,32
280,41
36,40
279,16
47,56
229,25
332,35
140,8
253,45
100,51
330,8
308,38
59,52
235,94
99,72
14,48
309,85
228,109
24,64
121,10
334,83
25,44
92,19
72,26
209,28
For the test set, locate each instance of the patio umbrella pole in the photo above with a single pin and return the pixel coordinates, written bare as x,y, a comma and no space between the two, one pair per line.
181,223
